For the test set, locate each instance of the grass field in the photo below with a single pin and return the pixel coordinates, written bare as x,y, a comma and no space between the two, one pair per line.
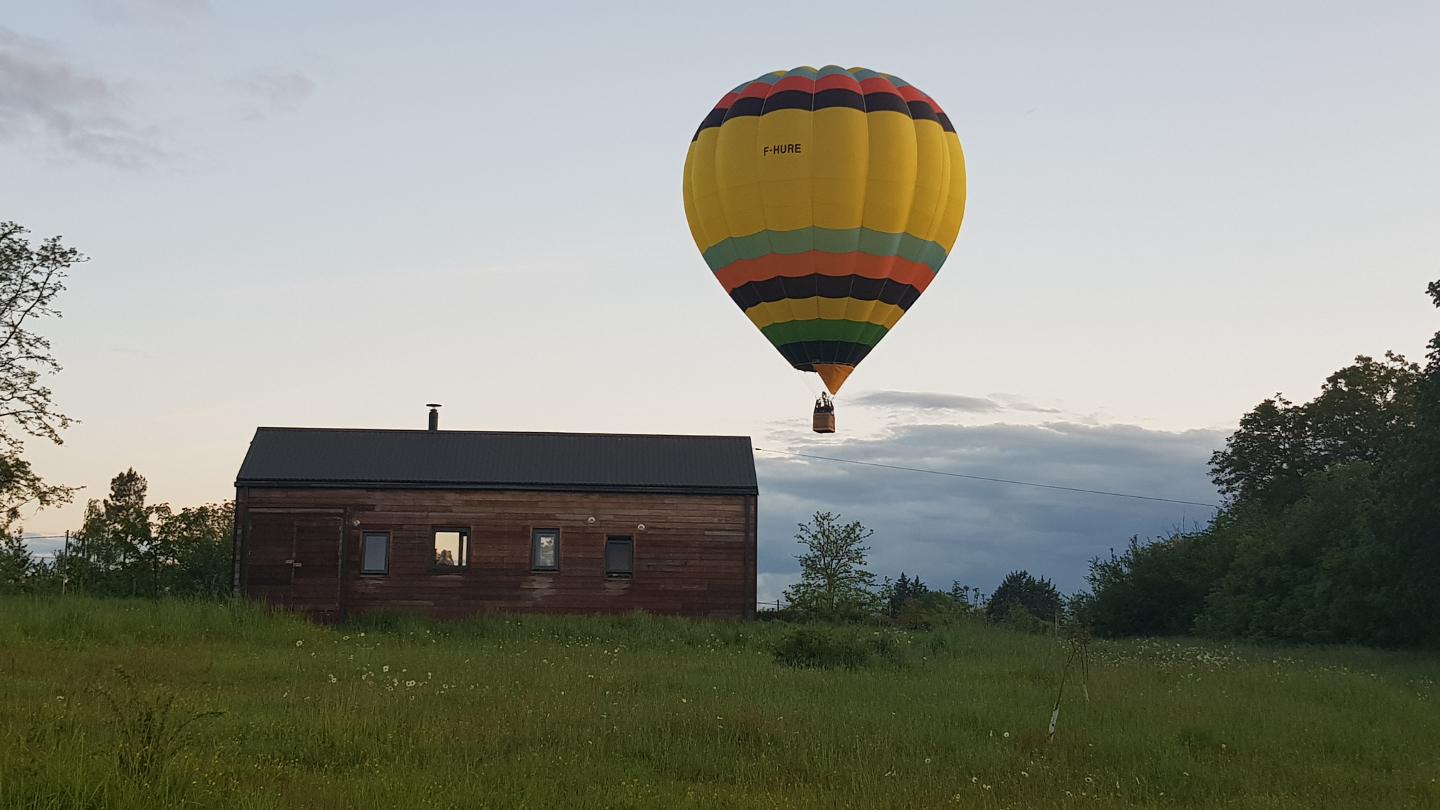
647,712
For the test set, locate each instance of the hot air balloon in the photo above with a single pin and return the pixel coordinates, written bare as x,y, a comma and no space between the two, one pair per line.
824,202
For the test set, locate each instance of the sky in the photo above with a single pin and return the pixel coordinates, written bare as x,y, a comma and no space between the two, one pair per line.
329,214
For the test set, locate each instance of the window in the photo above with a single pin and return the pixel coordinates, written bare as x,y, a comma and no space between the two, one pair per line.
375,553
619,557
452,549
545,549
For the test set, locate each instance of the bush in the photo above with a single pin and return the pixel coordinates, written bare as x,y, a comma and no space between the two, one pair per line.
818,648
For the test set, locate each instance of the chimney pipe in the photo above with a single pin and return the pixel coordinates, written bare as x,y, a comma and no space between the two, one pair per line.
434,415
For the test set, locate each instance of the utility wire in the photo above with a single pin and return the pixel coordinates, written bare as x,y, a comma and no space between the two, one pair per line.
992,480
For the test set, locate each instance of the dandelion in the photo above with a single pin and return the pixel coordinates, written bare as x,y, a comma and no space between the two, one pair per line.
1006,735
299,642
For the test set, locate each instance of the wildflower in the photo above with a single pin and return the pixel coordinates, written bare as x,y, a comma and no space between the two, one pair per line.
1006,735
409,684
333,679
299,642
385,668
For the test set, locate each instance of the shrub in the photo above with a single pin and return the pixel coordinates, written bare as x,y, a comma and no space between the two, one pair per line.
819,648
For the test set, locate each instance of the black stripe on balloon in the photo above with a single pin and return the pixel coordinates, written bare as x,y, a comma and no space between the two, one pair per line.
885,102
945,122
714,119
922,111
820,286
745,106
789,100
806,353
836,97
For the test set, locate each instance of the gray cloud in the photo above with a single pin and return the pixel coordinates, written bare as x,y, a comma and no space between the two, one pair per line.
43,96
275,93
935,401
946,528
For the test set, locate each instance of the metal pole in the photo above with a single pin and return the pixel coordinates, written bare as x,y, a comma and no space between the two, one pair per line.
65,569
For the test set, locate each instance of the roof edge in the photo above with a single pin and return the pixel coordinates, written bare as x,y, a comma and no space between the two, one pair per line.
653,489
444,431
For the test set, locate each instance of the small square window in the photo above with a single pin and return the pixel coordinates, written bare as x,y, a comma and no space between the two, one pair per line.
545,549
452,549
375,553
619,557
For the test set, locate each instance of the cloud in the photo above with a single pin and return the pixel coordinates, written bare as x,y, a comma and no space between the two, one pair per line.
935,401
945,528
42,96
275,93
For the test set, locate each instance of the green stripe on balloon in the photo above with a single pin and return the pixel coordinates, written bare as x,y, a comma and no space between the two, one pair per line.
826,240
867,334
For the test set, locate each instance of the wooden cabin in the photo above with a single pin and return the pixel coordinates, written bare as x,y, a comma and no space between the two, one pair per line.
336,522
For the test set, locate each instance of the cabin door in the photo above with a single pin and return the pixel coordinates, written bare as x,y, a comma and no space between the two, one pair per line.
293,561
315,586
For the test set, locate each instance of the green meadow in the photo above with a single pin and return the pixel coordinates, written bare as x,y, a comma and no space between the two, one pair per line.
137,704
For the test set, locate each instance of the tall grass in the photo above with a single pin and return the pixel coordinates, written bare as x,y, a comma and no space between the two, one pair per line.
638,711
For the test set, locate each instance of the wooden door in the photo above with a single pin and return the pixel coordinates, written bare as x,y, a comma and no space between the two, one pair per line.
315,582
269,558
293,561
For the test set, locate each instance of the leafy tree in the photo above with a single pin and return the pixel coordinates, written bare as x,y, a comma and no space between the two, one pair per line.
1154,589
1322,570
1414,481
16,564
1019,590
31,278
127,547
834,584
1363,413
115,549
195,544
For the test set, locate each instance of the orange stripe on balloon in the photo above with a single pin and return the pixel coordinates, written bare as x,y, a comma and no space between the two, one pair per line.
796,265
837,81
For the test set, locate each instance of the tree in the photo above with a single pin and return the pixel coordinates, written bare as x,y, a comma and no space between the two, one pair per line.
31,277
115,543
16,564
1020,590
1363,413
1154,589
195,544
834,584
895,594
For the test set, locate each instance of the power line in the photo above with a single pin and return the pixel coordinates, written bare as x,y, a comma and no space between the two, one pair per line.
992,480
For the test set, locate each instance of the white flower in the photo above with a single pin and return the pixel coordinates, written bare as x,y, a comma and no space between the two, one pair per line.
300,643
1006,735
333,679
385,668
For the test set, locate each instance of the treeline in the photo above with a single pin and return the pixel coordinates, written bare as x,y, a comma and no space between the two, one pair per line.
127,547
1330,532
835,586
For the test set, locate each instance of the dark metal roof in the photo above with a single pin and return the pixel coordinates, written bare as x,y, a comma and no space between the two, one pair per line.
463,459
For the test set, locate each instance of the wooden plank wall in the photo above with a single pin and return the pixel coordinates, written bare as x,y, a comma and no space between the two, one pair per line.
696,555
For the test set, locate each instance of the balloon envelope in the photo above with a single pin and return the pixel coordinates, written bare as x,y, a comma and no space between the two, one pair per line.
825,201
